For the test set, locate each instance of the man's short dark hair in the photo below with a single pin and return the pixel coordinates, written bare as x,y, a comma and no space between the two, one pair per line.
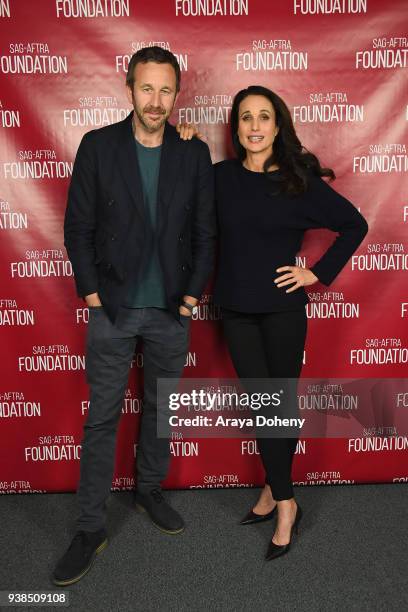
152,54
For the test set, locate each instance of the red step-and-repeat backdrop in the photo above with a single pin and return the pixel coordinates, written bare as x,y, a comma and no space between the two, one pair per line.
341,67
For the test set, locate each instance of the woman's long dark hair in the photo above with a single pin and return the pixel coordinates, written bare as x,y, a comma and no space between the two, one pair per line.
294,160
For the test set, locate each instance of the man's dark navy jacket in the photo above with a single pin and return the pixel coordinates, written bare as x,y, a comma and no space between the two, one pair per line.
106,223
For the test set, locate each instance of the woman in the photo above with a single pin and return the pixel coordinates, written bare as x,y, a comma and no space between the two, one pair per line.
266,198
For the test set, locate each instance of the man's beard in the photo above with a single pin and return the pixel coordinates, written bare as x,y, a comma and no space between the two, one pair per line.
151,126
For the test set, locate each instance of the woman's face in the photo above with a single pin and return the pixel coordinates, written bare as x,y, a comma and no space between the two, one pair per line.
256,124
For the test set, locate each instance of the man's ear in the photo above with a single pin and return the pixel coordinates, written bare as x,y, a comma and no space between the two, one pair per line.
129,94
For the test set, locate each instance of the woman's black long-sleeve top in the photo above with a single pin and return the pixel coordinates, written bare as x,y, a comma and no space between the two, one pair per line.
260,232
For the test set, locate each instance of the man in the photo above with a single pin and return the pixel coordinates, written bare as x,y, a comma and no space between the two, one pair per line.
140,233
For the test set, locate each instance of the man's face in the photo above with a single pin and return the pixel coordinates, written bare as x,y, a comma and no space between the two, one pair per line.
154,95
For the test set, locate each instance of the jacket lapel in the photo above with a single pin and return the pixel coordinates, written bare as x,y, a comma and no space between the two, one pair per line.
129,166
170,162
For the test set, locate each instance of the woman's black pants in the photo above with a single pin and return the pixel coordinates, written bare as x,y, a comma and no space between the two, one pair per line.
269,345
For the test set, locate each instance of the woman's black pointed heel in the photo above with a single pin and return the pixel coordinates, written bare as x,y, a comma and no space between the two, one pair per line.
251,518
274,550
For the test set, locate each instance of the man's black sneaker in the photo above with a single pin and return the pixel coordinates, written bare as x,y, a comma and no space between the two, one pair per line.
163,516
79,557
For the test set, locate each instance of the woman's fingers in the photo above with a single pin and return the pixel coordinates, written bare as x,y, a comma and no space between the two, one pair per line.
283,277
293,288
293,275
301,276
290,281
183,129
187,131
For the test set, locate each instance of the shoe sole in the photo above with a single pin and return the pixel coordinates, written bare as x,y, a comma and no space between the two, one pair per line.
256,521
100,548
143,510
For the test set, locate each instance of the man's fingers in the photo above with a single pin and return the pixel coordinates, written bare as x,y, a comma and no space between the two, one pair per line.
184,311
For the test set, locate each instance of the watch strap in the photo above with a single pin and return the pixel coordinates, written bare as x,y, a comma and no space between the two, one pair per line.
189,307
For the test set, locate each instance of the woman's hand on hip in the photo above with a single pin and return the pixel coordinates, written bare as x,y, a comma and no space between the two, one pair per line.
294,274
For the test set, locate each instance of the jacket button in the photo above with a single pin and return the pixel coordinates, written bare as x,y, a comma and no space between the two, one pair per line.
114,236
183,267
180,238
111,202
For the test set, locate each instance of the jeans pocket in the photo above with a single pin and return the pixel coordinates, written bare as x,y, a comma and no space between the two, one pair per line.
184,319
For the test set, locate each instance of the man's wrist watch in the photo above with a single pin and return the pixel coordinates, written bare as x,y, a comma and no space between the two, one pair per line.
190,307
